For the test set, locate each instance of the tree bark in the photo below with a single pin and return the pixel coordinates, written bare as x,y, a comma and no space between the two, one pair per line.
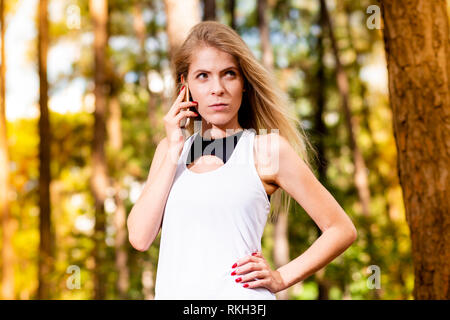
361,181
139,29
209,10
321,131
178,26
46,243
231,5
266,47
7,221
99,178
416,36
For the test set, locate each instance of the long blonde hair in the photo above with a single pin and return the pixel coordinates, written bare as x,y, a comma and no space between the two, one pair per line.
264,105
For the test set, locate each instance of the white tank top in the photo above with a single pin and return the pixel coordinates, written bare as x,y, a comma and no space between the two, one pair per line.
211,220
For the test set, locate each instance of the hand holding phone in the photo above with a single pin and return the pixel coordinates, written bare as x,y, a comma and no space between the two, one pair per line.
172,120
186,99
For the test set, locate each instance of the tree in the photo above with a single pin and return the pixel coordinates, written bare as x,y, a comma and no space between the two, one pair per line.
209,10
114,132
7,222
46,243
99,178
231,5
177,25
321,131
416,36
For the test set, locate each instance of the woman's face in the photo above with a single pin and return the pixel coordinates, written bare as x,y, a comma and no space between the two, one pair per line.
214,77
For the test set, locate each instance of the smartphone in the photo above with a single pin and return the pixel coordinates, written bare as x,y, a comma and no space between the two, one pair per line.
188,98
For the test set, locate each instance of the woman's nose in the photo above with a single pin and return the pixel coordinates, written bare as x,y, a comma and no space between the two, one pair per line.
217,88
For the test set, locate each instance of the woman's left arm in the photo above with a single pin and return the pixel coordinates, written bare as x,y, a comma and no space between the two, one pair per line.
338,231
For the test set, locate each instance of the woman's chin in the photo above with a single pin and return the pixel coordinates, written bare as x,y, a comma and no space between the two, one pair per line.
217,120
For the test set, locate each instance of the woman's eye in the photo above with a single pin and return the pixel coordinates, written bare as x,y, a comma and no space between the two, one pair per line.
230,71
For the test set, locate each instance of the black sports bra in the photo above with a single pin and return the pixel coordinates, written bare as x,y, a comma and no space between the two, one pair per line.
222,153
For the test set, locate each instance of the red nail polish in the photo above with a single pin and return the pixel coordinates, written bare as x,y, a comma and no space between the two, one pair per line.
245,285
238,279
234,265
180,89
254,253
233,273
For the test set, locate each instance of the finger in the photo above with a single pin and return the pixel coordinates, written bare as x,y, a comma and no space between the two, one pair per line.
187,104
253,276
261,283
260,257
248,267
181,94
245,260
185,113
178,100
181,105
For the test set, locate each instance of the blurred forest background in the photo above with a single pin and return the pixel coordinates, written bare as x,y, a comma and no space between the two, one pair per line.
87,84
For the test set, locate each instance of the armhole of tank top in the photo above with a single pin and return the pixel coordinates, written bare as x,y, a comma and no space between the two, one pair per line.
253,168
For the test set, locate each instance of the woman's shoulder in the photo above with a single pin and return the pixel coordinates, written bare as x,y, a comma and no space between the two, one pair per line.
268,141
266,151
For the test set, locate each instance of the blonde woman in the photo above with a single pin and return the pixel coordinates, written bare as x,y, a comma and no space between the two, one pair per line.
212,211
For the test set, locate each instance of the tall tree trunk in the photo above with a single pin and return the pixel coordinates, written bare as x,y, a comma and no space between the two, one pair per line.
178,26
280,230
7,222
99,178
416,37
321,131
46,243
231,5
141,34
360,176
360,171
209,10
266,47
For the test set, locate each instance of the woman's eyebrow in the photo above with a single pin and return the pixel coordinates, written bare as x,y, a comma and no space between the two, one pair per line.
201,70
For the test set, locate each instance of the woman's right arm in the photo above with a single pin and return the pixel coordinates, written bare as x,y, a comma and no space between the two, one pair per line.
145,218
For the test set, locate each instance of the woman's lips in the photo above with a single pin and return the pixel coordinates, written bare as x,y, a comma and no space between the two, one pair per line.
218,107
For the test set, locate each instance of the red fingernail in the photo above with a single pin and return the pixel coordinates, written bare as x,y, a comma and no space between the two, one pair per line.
238,279
180,89
245,285
234,265
233,273
254,253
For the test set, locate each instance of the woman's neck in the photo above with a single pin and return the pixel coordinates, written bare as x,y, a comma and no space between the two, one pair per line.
215,132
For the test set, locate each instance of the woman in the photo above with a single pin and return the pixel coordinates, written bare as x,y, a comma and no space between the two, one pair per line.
212,213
